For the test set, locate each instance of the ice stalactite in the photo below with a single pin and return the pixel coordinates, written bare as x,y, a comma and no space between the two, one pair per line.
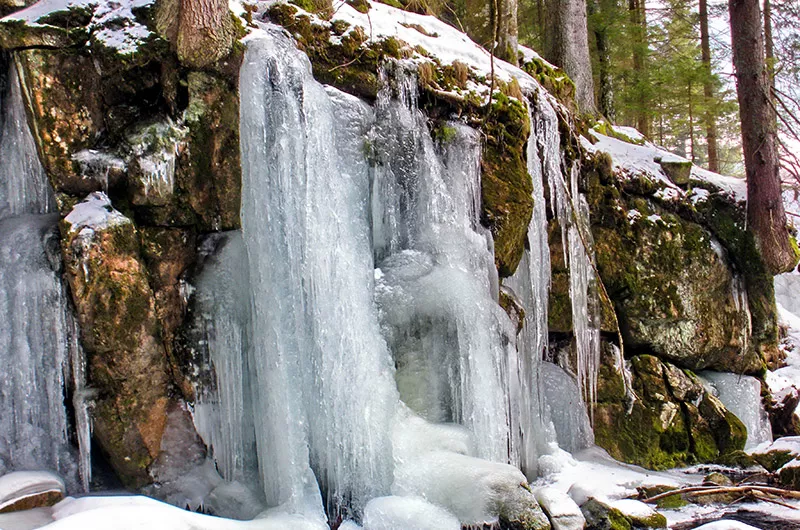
38,334
437,288
328,391
223,408
571,210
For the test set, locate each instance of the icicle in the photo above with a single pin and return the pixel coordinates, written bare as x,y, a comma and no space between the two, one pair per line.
223,410
572,214
38,335
449,337
24,188
316,345
34,340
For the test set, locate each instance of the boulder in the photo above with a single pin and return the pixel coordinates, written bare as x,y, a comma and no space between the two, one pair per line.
672,285
561,510
623,514
668,420
777,454
677,169
476,491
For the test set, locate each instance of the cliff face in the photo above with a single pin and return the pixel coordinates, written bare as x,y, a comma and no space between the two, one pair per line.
152,148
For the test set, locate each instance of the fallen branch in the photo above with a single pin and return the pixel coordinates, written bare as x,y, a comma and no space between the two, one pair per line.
714,490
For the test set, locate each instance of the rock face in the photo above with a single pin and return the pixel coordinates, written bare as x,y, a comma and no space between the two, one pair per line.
669,420
116,310
671,283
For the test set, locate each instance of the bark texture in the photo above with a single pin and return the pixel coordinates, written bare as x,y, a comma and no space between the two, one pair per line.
494,21
567,46
638,16
765,213
708,91
202,31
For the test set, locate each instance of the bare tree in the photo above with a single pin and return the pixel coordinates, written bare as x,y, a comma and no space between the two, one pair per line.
765,212
567,46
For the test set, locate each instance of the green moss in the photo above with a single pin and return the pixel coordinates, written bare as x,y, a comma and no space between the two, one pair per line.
506,186
553,80
444,133
393,3
774,460
673,502
362,6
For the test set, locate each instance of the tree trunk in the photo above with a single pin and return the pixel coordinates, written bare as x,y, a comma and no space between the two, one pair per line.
494,21
708,91
606,90
638,17
765,213
769,44
567,46
691,124
201,31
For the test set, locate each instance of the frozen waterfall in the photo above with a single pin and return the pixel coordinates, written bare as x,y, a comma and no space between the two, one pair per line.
316,345
43,365
437,289
571,210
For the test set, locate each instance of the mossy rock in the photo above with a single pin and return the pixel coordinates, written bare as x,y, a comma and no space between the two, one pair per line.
678,171
351,64
115,306
726,219
663,427
672,287
506,186
554,80
210,171
600,516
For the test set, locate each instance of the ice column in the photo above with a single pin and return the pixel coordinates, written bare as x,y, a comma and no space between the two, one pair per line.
324,390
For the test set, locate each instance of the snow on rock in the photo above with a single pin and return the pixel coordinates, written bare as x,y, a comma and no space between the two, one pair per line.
113,25
28,489
407,513
594,473
472,489
439,40
563,512
726,525
634,509
787,444
632,160
94,213
137,513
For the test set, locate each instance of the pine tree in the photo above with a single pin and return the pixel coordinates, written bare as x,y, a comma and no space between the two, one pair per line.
765,211
567,46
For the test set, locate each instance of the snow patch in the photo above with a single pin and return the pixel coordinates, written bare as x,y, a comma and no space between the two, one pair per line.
94,213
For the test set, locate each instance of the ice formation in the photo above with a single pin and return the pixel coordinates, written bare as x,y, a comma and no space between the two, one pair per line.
741,394
38,337
316,344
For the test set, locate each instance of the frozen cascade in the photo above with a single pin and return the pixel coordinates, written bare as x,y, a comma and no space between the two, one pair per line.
38,334
531,283
35,340
316,344
741,394
223,409
452,343
571,210
565,408
23,183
